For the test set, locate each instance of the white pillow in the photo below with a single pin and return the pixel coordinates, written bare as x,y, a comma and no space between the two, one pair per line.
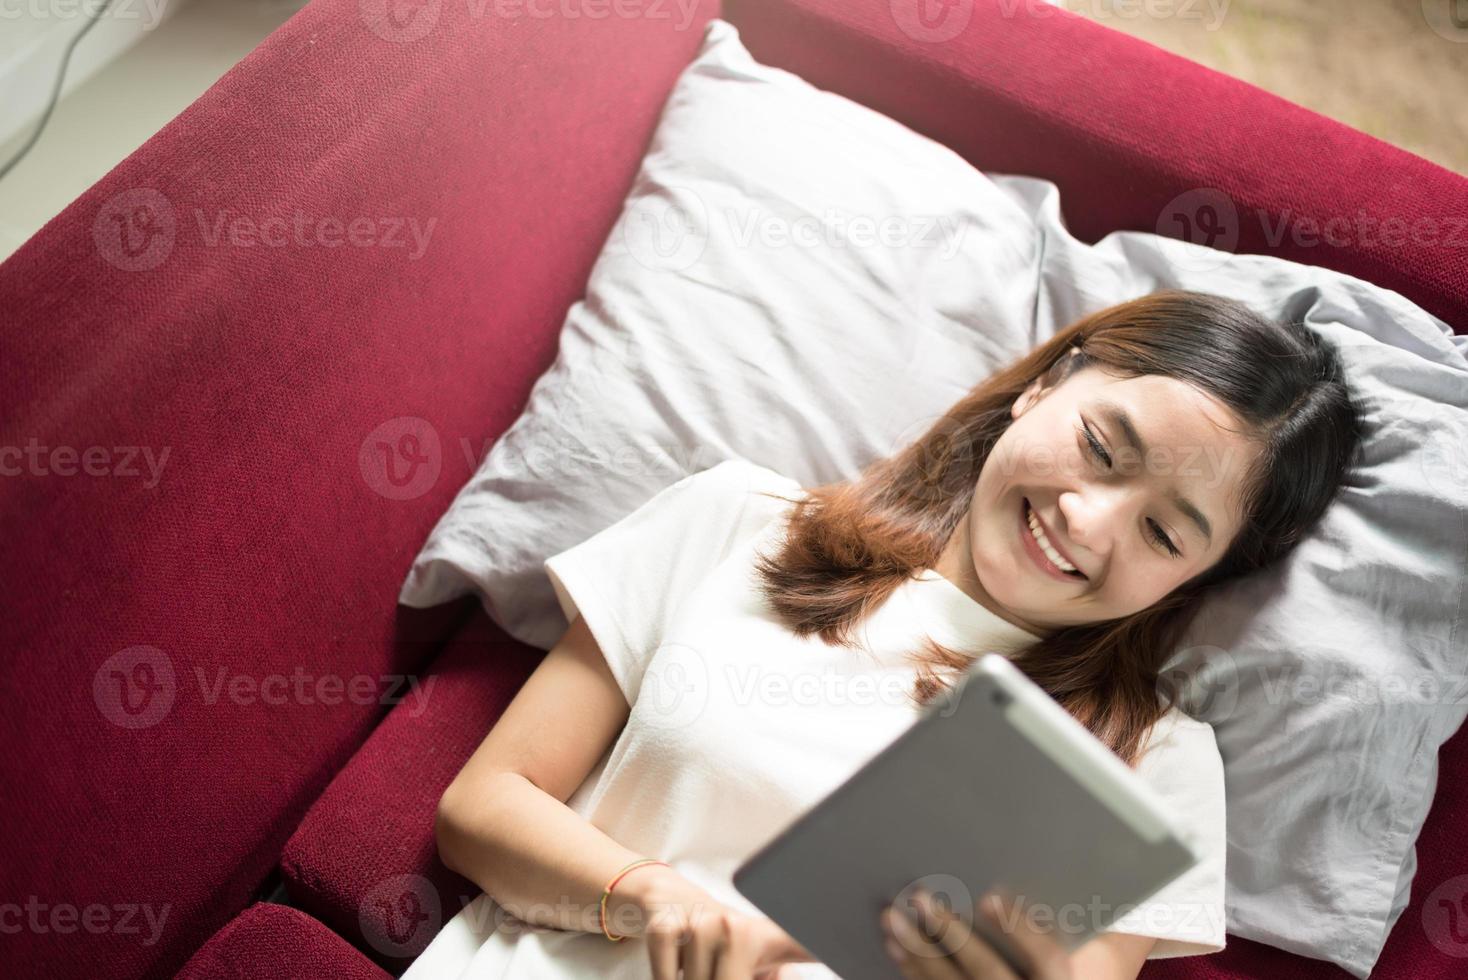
799,281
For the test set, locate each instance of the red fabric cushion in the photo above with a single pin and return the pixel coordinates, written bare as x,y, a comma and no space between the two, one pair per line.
275,942
1124,128
364,859
180,306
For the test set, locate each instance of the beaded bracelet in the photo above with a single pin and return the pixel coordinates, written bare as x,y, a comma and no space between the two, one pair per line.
607,891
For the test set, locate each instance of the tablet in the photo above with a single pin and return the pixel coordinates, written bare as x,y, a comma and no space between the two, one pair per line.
994,784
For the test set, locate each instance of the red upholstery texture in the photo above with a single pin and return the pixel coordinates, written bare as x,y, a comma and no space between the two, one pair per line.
1126,129
198,636
274,942
364,860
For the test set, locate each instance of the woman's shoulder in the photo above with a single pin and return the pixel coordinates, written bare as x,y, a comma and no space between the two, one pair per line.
737,474
1178,736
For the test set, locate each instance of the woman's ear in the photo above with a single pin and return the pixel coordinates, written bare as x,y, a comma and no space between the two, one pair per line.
1058,371
1027,398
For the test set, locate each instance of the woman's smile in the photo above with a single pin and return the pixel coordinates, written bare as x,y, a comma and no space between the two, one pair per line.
1032,532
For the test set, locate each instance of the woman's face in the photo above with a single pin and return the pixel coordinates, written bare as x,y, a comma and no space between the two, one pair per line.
1121,522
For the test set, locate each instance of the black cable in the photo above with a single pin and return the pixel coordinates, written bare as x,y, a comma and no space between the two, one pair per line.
55,90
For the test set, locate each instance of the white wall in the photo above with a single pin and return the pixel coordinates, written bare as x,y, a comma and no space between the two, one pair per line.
34,35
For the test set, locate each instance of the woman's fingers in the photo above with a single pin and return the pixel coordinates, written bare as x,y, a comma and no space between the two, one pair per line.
736,955
1045,957
774,946
669,933
663,944
704,945
918,954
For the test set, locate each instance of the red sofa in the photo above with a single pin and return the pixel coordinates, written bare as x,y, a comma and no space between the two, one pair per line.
202,544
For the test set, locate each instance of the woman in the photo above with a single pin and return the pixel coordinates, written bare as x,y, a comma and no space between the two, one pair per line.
736,644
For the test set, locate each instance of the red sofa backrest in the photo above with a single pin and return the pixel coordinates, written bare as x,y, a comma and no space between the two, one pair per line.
1134,136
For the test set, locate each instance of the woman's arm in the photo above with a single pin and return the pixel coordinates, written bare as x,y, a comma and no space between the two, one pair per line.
503,822
1112,956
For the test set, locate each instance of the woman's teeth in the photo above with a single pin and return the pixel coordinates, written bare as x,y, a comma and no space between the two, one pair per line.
1045,545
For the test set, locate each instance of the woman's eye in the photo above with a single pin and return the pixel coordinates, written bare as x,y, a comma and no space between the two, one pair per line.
1162,538
1097,450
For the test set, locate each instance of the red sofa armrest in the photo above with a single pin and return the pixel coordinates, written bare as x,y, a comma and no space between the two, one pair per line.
255,361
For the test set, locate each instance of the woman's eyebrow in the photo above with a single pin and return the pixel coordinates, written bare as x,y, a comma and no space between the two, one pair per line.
1118,417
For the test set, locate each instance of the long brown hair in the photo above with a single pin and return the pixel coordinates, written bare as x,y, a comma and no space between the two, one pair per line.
849,545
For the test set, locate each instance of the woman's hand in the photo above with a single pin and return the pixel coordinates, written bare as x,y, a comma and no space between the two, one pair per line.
685,928
940,945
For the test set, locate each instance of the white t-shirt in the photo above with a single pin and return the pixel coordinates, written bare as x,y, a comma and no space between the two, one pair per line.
737,725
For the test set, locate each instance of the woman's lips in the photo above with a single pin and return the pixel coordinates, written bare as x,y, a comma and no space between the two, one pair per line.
1032,548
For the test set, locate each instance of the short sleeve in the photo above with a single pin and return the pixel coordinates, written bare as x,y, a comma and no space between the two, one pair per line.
1183,765
628,580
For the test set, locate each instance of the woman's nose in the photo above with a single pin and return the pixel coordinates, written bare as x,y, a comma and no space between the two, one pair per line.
1092,515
